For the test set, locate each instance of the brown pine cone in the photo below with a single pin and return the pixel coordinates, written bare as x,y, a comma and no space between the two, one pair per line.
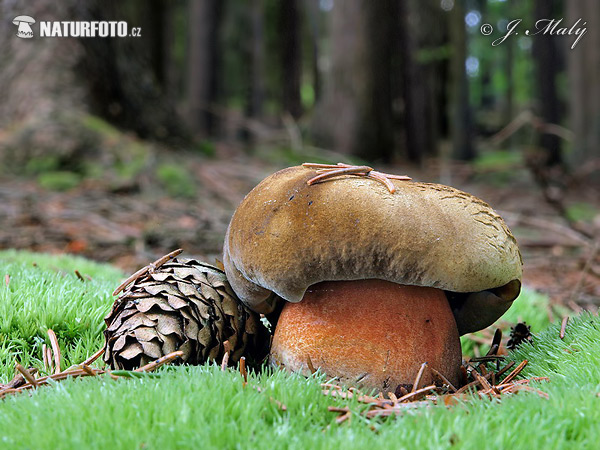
182,305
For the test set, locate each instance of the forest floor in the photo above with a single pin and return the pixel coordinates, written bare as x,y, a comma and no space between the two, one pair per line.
130,224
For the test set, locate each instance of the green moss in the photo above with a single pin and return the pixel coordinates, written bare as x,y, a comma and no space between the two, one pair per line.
582,211
531,307
497,160
176,180
206,148
205,407
44,292
59,181
42,164
100,126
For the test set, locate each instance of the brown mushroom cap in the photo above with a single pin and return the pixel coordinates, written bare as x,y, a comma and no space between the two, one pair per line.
286,236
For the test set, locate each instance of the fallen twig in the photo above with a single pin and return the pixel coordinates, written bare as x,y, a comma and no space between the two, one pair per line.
563,327
444,379
81,370
160,362
516,371
418,377
94,357
147,269
309,363
416,393
27,375
225,361
55,350
243,370
485,384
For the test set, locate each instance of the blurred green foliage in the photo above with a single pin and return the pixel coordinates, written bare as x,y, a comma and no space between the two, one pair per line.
491,83
176,180
100,126
497,160
61,180
206,148
582,212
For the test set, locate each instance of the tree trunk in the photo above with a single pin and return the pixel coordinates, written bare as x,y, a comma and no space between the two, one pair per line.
462,133
291,57
584,83
50,86
545,54
312,12
508,107
122,82
257,60
355,116
203,64
253,58
418,82
158,12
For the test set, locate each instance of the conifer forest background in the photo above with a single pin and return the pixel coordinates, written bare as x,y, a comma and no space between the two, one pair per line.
124,148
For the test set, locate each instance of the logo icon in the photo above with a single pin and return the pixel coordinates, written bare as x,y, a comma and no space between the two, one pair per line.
24,23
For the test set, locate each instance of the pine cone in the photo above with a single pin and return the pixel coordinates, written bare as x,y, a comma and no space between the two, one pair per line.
182,305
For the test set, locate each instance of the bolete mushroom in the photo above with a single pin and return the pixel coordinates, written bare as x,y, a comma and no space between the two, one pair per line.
378,274
24,23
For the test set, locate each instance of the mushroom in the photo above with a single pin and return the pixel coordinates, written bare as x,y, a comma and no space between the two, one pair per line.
376,274
24,23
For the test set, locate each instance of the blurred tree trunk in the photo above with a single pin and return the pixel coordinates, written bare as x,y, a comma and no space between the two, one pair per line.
159,14
50,86
436,35
120,76
508,110
254,62
547,62
312,12
461,127
419,31
257,88
205,18
161,41
584,83
355,115
291,57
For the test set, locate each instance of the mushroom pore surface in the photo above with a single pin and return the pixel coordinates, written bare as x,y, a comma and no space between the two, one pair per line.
373,333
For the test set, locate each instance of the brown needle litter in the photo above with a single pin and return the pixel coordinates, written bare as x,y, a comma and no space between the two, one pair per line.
27,375
563,327
160,362
225,361
328,171
418,377
243,370
483,384
444,379
55,350
26,378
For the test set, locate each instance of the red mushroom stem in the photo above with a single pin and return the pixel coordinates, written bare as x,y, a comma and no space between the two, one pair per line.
369,332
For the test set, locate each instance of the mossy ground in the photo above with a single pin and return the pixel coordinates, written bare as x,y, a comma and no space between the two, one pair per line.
204,407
